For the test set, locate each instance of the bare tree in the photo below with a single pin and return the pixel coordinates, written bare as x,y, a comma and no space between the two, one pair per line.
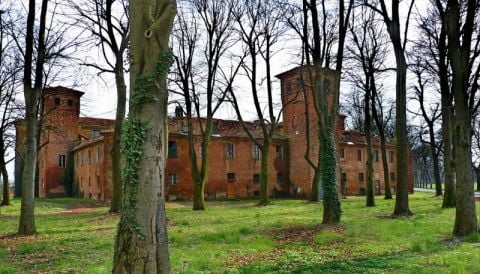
260,26
392,23
368,53
107,22
430,116
211,23
459,19
10,69
141,244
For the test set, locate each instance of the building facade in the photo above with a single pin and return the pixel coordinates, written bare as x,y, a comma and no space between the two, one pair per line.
83,144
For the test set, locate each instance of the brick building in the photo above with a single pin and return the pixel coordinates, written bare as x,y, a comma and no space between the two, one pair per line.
351,145
234,161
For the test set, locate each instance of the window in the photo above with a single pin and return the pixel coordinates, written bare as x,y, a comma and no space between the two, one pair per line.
360,177
256,178
81,157
97,155
343,177
376,156
256,151
57,101
172,149
392,156
89,181
342,154
280,178
392,176
89,157
230,151
70,103
279,152
95,133
231,177
214,129
98,181
172,179
61,160
359,155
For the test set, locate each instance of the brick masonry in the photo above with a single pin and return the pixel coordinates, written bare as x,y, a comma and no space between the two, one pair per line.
234,175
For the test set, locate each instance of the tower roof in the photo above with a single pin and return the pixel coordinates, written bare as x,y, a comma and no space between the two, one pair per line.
61,89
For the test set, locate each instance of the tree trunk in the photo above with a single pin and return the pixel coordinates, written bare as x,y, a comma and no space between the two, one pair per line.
115,152
199,194
477,170
436,166
315,193
331,202
141,244
401,197
459,45
6,186
264,174
386,175
27,217
368,136
449,193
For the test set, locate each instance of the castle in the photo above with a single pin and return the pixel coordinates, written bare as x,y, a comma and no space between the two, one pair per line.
84,144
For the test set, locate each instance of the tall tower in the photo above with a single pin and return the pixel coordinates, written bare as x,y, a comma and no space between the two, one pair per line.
58,132
297,102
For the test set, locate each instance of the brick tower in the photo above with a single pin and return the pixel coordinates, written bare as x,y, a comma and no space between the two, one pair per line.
61,109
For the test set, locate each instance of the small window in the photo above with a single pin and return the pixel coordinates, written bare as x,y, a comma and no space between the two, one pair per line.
392,156
360,177
57,101
230,151
81,157
95,133
97,155
89,181
280,178
215,129
256,178
256,151
172,149
231,177
392,176
342,154
70,103
359,155
377,158
343,177
61,160
89,157
279,152
98,181
172,179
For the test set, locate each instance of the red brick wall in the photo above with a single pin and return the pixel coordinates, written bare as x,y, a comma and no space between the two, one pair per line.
90,173
243,165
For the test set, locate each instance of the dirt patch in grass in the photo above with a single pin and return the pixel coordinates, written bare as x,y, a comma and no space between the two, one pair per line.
301,233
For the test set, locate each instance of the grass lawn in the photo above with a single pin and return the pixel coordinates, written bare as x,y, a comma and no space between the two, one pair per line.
76,236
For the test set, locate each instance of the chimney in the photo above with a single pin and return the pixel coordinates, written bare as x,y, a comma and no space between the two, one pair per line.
178,112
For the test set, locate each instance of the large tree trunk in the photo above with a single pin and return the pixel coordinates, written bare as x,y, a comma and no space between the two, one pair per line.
141,242
331,202
115,153
386,175
459,56
448,165
27,217
477,171
401,195
265,173
436,166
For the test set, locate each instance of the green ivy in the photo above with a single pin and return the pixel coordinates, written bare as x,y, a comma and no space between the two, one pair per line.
133,138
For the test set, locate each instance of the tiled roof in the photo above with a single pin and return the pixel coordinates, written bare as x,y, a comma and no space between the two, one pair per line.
87,143
89,121
222,128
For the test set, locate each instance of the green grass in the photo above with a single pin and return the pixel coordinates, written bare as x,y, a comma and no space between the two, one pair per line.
239,237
